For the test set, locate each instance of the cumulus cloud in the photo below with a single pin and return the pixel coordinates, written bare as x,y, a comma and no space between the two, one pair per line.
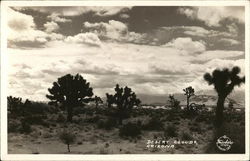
22,32
146,69
56,17
113,29
187,46
216,54
84,38
229,41
21,28
77,10
213,16
169,69
51,26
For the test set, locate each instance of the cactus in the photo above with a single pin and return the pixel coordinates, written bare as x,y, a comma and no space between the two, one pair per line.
67,138
97,100
189,92
70,91
224,82
14,105
174,103
124,99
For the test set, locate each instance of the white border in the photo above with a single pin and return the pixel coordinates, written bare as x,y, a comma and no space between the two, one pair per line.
146,157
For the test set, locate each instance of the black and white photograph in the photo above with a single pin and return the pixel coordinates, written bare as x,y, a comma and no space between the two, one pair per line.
125,79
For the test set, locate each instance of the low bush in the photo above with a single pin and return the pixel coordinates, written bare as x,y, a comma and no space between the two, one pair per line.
13,125
92,119
130,130
153,124
67,138
197,129
35,119
186,136
107,124
25,127
61,118
201,118
170,131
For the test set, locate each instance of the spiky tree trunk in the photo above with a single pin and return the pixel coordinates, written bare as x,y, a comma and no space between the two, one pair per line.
219,110
68,148
70,113
120,115
187,103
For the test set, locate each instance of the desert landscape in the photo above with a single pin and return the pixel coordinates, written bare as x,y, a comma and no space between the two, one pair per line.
125,79
36,128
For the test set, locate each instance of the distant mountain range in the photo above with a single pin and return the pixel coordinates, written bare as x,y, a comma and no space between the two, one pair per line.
208,97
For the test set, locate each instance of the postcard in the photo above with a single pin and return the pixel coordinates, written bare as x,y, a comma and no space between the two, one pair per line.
125,80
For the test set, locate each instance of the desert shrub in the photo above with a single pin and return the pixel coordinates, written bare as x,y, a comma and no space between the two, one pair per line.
153,124
107,124
77,120
130,130
186,136
47,135
35,119
79,110
25,127
170,131
61,118
67,138
201,118
197,129
93,119
13,126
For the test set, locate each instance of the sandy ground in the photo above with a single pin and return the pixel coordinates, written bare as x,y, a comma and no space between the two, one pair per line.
91,140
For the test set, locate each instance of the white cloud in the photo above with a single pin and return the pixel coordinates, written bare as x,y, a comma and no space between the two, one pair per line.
125,16
216,54
212,16
126,64
186,45
84,38
74,10
229,41
22,32
21,27
51,26
113,29
56,17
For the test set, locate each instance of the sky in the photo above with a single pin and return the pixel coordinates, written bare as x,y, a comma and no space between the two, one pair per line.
154,50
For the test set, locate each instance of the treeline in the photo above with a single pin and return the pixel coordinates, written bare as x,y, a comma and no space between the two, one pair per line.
71,91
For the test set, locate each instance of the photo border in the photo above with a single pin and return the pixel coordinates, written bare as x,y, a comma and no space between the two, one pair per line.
146,157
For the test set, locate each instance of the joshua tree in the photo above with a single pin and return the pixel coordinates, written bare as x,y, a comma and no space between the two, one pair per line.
174,103
224,82
110,99
124,99
231,105
189,92
14,104
67,138
70,91
97,101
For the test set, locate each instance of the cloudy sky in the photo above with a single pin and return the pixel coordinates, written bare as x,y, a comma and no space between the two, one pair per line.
154,50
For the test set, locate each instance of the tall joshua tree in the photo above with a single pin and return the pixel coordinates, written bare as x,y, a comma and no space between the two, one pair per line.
189,92
224,82
174,103
124,99
70,91
97,100
14,104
